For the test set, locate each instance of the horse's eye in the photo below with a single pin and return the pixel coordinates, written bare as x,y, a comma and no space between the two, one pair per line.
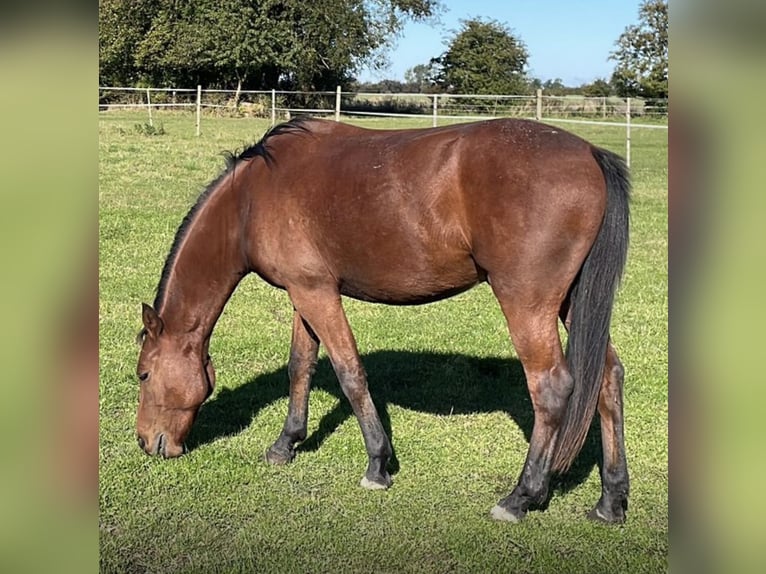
143,376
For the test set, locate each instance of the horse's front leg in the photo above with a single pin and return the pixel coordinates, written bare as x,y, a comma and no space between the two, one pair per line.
300,368
321,307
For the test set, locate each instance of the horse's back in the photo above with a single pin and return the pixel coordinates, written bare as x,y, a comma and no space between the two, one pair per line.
414,215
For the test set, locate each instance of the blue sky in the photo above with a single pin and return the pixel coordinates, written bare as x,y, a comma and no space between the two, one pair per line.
567,39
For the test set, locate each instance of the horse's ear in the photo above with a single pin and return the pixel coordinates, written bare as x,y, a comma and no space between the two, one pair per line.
152,321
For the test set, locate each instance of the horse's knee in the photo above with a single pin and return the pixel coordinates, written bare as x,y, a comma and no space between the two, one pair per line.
300,365
353,381
294,367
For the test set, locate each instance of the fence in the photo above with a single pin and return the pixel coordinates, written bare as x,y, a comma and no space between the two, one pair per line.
278,105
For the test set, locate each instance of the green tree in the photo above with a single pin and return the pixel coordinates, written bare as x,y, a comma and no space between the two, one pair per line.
483,57
122,25
209,42
642,54
249,43
599,88
554,87
418,78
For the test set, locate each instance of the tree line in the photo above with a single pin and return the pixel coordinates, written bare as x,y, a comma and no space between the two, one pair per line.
316,46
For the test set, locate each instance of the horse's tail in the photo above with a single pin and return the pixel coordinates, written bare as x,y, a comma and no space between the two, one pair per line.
591,302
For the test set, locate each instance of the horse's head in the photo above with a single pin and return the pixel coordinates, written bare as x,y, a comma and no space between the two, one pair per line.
176,376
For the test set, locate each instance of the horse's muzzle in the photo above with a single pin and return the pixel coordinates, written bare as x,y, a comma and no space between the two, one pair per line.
161,446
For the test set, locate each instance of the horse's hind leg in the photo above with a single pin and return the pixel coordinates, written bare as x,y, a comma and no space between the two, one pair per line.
534,332
614,470
322,310
300,368
615,483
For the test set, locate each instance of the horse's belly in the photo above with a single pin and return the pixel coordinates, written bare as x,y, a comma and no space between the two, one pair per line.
409,282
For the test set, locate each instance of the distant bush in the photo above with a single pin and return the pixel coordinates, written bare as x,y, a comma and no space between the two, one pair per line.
148,129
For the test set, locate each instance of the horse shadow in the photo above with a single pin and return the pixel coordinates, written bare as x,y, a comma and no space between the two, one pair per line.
435,383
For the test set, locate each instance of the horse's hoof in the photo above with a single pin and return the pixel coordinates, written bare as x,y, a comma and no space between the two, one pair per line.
500,513
382,484
597,515
277,457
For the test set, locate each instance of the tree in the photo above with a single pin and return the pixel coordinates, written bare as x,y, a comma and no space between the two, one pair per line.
121,26
642,54
484,57
554,87
209,42
248,43
418,78
599,88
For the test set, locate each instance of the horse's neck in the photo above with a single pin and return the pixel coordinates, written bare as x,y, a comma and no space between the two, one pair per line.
209,264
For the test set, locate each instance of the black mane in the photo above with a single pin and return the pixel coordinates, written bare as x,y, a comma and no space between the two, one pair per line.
260,149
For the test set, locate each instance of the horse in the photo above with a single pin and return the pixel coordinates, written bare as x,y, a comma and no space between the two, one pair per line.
323,209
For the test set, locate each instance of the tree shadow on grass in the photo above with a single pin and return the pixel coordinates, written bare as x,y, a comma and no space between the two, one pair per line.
435,383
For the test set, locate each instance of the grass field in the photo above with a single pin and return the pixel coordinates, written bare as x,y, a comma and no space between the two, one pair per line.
444,378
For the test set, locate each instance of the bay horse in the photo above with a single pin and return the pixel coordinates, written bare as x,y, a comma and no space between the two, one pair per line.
323,209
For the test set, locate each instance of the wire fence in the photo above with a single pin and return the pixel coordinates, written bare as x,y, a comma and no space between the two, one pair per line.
279,105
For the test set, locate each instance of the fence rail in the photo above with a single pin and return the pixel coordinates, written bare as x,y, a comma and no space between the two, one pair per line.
276,105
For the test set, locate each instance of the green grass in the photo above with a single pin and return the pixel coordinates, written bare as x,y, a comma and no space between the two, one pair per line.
443,375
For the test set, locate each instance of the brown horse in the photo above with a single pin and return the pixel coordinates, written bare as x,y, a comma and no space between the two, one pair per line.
322,209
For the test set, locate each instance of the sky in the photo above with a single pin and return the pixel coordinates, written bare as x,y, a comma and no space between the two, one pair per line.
567,39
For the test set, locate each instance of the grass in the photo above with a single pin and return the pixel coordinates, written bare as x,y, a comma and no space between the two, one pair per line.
444,376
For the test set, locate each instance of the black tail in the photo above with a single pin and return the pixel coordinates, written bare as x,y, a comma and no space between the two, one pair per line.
591,301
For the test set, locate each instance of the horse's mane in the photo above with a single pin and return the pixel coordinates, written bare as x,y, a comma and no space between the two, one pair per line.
233,159
261,149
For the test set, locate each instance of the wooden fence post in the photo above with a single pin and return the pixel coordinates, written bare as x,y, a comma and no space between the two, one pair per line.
337,104
199,106
539,109
627,132
436,109
149,106
273,106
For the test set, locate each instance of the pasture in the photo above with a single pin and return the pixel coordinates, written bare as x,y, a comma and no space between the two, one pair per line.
444,376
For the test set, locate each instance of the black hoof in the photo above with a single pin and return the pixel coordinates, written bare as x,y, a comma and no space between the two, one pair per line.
598,514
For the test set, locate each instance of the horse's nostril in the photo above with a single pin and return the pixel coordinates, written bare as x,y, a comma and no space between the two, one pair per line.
141,443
